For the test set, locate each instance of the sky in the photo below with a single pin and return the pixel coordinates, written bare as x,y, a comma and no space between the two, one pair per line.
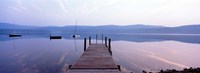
100,12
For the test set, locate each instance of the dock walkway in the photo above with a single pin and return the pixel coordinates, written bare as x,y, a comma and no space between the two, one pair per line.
95,59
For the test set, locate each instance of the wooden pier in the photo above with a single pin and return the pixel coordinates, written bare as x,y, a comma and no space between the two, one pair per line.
97,58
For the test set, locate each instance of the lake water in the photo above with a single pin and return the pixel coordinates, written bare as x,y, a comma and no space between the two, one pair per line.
134,52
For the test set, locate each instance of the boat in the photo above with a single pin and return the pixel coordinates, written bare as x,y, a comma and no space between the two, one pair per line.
74,35
55,37
15,35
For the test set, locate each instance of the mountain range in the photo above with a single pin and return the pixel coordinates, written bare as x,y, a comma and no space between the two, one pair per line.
136,28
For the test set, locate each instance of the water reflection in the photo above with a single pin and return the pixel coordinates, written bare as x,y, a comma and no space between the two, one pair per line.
153,56
187,38
37,53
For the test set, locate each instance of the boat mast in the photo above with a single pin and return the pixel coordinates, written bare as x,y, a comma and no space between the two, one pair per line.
75,28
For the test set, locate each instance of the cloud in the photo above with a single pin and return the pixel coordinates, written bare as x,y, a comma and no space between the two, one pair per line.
98,12
113,2
23,8
19,2
19,6
168,5
16,9
62,5
36,6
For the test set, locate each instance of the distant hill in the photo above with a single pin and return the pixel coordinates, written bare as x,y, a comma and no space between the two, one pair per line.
6,28
137,28
15,26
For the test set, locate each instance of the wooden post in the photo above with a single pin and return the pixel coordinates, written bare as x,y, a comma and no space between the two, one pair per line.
70,66
109,46
106,41
118,66
102,38
96,38
89,40
84,44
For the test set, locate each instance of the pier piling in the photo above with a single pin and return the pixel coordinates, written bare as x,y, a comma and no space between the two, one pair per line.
109,46
106,41
85,44
89,40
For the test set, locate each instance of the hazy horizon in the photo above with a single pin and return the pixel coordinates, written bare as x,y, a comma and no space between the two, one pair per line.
97,25
170,13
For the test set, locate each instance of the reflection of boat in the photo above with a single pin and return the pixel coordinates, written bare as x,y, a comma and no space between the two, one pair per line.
55,37
15,35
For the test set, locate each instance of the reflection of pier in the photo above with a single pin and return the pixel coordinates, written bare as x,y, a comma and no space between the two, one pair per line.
97,58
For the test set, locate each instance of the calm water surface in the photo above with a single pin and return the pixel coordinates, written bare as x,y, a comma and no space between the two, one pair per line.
39,54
